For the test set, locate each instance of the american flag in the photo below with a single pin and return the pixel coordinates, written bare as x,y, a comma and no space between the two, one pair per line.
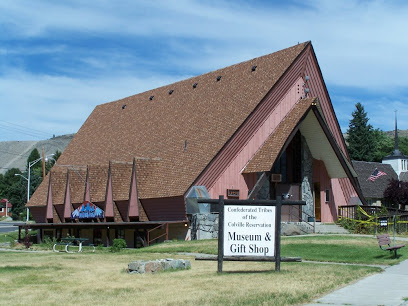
375,175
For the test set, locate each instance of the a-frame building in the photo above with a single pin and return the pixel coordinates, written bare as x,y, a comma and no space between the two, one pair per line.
257,129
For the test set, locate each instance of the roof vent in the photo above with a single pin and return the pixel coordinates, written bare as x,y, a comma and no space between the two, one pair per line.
171,91
218,78
254,68
195,85
123,106
151,98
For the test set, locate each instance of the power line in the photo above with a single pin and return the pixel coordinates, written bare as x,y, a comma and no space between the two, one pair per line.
14,153
25,131
22,127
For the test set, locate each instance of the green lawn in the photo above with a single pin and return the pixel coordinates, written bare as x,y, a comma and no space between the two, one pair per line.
47,278
331,248
337,248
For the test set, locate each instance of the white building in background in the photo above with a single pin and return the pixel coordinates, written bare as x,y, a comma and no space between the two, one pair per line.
397,160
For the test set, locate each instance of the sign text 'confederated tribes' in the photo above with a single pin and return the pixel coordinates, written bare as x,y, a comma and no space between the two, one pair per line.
249,230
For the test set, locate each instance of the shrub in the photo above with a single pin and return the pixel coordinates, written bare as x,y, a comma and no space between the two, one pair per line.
49,242
117,245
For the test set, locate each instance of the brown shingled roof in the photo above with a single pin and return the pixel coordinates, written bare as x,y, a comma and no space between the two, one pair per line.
58,185
77,180
98,177
121,177
185,129
39,198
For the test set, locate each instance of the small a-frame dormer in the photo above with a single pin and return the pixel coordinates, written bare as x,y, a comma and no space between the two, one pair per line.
49,209
133,213
109,210
67,200
87,194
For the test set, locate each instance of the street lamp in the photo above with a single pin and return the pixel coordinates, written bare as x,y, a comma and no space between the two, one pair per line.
30,164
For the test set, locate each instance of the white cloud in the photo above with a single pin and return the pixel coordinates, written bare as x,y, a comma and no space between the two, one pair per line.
59,105
359,45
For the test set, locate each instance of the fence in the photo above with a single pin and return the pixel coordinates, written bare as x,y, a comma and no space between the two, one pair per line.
368,217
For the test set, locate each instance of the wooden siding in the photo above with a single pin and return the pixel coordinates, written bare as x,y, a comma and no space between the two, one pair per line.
133,211
231,178
268,106
59,209
338,193
38,214
165,209
67,201
328,209
123,208
318,89
109,213
48,211
348,190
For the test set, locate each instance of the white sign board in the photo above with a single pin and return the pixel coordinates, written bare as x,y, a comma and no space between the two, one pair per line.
249,230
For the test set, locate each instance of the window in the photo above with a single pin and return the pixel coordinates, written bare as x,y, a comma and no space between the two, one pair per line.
289,164
2,209
120,233
327,192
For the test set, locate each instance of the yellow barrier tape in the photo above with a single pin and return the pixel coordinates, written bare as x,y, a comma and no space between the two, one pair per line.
364,213
372,222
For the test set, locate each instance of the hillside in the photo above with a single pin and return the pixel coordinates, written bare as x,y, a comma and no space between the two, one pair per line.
14,154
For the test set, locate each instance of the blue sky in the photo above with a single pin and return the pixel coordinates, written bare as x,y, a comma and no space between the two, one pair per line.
59,59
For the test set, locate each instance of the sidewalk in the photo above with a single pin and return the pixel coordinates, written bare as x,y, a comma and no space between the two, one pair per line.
387,288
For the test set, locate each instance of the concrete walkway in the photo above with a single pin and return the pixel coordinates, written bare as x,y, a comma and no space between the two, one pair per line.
387,288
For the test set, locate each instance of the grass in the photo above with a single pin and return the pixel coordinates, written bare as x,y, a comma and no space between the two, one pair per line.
337,248
330,248
8,237
48,278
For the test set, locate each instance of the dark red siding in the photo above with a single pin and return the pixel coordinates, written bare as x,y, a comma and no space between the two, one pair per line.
165,209
38,214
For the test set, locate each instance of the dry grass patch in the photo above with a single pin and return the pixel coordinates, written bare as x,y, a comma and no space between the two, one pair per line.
100,278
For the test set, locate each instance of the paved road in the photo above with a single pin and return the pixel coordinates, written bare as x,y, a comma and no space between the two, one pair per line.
9,226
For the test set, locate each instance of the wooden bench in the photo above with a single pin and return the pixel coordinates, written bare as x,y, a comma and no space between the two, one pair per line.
384,242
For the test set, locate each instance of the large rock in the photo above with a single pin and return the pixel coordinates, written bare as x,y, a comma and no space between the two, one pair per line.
153,266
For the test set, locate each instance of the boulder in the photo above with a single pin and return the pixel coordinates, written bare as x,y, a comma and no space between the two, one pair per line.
153,266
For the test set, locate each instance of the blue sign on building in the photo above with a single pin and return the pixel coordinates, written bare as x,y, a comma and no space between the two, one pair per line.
87,210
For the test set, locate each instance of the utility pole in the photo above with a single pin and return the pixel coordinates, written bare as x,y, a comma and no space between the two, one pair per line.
43,162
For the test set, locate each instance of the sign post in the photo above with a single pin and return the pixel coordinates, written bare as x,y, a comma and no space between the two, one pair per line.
250,230
278,233
220,234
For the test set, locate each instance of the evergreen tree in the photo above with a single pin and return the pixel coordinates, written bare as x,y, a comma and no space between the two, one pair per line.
34,155
360,138
14,188
384,145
